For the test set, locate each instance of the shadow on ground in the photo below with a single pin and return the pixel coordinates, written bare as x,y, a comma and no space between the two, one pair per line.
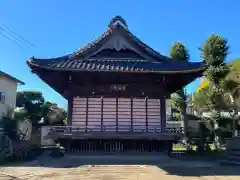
170,165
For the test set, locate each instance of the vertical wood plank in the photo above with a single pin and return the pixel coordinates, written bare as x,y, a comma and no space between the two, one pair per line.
117,114
86,115
163,114
102,114
146,104
131,114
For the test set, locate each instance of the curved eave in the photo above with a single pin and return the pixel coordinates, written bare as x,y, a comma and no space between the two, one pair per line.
200,69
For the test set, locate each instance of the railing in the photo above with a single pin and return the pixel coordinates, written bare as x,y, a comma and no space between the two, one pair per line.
117,129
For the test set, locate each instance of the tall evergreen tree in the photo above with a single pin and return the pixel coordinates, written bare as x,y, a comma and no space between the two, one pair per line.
214,53
178,52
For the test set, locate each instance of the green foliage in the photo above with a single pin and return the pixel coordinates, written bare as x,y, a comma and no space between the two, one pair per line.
9,122
37,108
215,50
179,100
179,52
214,53
200,100
234,73
32,101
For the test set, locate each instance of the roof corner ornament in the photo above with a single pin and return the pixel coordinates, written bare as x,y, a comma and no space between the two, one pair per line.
31,58
118,20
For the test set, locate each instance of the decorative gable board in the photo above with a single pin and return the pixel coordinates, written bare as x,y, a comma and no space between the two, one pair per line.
119,43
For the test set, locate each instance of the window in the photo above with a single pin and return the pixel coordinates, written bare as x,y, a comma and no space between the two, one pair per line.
2,97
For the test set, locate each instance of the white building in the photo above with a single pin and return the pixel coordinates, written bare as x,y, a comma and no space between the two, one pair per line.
8,91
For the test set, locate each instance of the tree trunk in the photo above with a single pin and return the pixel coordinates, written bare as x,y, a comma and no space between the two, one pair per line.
184,120
235,115
216,137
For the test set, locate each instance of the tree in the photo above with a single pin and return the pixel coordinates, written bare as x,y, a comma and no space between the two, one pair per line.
32,101
200,100
214,53
178,52
37,108
231,89
52,114
10,121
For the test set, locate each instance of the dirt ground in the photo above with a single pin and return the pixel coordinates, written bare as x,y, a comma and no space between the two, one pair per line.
118,167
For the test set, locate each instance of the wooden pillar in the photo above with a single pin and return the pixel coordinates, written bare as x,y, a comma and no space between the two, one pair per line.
70,101
116,113
86,124
146,105
70,109
163,113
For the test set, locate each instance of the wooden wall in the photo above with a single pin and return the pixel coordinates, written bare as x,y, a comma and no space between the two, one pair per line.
117,114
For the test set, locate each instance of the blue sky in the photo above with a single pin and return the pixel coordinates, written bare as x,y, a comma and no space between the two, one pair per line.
58,27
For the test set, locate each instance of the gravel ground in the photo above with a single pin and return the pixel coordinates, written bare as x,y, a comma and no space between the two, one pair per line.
118,167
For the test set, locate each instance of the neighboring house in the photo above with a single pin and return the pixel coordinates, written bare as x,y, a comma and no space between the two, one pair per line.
8,91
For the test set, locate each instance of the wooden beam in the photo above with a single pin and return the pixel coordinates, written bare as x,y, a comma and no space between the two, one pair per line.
152,91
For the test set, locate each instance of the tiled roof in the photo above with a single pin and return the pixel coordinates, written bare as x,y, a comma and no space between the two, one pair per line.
118,65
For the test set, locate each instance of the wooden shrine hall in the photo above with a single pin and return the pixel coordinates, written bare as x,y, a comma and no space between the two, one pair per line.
116,87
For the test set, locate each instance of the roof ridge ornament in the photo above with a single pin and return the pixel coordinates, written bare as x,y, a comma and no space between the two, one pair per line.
118,20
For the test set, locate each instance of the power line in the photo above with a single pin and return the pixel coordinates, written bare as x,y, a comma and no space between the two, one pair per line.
23,39
15,42
10,35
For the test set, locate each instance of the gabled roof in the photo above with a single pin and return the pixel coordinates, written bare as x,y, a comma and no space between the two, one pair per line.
11,77
119,39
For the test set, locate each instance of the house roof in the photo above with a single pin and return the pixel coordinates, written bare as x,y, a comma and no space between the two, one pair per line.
87,58
11,77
